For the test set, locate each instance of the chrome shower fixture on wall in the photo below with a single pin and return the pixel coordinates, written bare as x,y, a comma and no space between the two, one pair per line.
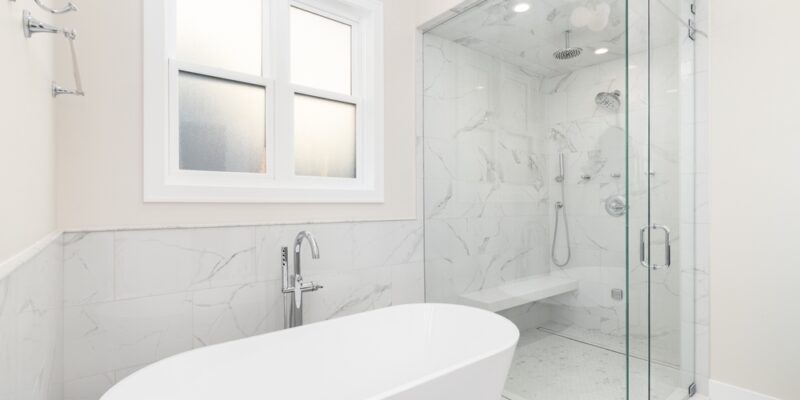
31,25
609,101
567,53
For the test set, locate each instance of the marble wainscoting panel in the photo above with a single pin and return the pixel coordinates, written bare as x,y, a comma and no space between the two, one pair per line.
31,327
388,244
88,266
8,339
154,262
236,312
106,337
136,297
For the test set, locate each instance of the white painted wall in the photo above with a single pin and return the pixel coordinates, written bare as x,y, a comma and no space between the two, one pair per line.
755,192
27,203
100,137
430,9
433,11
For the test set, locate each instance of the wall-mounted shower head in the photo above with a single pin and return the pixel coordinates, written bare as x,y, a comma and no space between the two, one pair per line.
609,101
567,53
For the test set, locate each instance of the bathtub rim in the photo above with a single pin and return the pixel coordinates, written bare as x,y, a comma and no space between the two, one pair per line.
398,389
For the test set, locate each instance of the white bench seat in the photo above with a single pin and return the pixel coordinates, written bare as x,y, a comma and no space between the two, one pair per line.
518,292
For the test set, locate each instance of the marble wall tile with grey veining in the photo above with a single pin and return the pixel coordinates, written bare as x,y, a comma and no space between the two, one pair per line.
39,319
88,267
379,244
236,312
348,292
8,339
89,388
105,337
408,283
157,262
31,321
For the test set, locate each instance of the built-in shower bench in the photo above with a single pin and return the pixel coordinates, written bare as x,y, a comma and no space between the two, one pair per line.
518,292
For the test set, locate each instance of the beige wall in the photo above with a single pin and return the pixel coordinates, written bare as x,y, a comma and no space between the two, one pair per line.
430,9
100,138
755,193
27,203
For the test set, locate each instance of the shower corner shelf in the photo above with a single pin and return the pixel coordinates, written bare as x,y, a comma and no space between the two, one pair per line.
518,292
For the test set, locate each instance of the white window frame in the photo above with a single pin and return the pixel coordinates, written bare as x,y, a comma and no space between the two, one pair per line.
164,181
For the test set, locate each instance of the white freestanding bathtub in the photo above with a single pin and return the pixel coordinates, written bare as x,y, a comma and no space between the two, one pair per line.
412,352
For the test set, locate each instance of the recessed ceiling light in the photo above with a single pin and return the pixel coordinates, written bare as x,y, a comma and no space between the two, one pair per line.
522,7
602,50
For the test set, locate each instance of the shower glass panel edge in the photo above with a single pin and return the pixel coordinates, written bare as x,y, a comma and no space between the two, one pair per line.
662,125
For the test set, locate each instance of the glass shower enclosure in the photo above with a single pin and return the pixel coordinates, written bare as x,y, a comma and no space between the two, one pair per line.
559,188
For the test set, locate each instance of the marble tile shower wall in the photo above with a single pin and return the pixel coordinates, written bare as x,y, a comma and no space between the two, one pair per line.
134,297
485,161
31,321
593,141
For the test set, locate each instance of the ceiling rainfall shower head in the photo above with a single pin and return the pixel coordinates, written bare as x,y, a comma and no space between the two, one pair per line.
567,53
609,101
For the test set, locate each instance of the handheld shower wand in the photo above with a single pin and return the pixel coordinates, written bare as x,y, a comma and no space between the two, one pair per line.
560,209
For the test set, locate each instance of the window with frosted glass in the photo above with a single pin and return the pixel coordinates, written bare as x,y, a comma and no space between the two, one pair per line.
220,34
325,115
263,100
325,137
221,124
321,52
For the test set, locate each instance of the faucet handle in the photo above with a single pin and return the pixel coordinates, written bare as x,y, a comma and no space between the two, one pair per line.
298,291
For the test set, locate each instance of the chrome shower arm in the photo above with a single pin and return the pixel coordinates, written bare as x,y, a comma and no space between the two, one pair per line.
69,7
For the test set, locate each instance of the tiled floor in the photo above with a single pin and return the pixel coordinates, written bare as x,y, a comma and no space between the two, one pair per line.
550,367
662,347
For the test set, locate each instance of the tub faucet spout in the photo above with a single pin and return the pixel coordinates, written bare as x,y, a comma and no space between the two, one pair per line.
294,315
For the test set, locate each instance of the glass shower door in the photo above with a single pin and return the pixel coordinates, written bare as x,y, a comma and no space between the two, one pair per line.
661,194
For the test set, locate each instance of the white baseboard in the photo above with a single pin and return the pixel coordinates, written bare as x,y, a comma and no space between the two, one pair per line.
723,391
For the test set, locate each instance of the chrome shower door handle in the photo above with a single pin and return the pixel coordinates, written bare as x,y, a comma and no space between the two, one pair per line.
667,247
642,247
